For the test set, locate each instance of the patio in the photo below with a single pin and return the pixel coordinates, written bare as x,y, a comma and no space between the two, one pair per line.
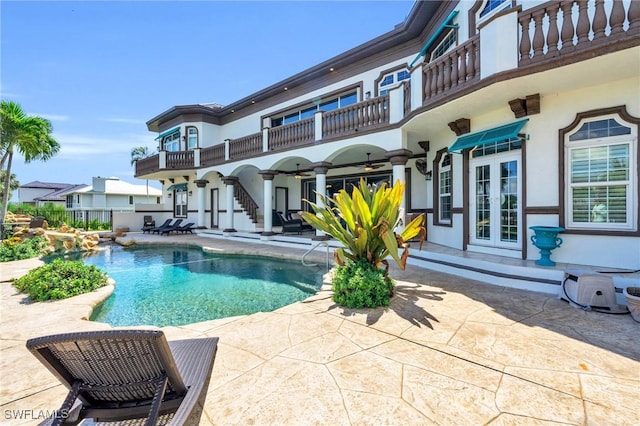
448,350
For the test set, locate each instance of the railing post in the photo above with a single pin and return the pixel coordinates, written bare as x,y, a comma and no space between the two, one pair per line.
396,104
318,125
196,157
162,160
226,149
417,89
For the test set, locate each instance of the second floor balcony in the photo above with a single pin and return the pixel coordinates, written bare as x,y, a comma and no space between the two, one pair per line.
548,35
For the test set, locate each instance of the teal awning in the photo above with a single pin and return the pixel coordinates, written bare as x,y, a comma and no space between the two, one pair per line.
497,134
178,187
434,37
168,132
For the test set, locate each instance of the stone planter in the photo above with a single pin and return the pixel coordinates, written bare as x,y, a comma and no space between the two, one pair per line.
546,239
632,296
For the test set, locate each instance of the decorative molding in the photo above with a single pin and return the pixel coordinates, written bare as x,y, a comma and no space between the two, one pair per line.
460,126
528,106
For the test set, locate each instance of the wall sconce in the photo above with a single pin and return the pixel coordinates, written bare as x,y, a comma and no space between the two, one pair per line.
427,175
367,95
169,195
190,193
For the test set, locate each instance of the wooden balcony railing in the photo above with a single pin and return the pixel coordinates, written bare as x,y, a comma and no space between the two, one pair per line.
407,97
148,165
180,160
212,155
364,115
298,133
554,32
246,146
453,70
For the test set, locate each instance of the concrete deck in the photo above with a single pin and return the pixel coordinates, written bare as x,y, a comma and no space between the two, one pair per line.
448,351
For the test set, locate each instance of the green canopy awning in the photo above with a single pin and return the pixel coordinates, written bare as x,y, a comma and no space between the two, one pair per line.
497,134
445,24
168,132
178,187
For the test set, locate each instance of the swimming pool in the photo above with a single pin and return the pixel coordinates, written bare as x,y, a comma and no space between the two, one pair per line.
176,285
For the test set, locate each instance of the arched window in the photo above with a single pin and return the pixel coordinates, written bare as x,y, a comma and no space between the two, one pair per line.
600,173
192,138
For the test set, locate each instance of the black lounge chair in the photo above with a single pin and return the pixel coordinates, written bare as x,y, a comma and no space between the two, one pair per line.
172,227
189,227
167,223
117,375
149,224
290,225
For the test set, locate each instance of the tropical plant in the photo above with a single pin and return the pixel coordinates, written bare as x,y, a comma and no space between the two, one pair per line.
365,222
61,279
13,184
15,248
30,136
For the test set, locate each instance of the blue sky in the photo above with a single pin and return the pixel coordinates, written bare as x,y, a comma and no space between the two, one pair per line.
100,70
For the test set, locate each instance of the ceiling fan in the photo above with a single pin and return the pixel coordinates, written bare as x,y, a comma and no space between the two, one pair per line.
369,166
299,174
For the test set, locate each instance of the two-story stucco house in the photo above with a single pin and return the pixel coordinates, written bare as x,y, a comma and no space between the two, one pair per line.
498,115
111,193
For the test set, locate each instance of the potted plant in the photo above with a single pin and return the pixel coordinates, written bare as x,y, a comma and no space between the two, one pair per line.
632,296
365,222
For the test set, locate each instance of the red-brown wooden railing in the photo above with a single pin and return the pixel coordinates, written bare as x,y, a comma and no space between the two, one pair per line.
180,160
246,146
148,165
212,155
298,133
369,114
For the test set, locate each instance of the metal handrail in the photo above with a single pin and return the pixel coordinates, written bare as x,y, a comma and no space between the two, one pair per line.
320,243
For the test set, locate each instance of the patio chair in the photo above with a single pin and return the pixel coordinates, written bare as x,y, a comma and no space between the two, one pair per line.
149,223
295,216
189,227
156,230
37,222
117,375
167,229
290,225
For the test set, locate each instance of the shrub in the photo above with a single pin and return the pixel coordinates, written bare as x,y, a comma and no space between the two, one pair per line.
60,279
18,249
361,285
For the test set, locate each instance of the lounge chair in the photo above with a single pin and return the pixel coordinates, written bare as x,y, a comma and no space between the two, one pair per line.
167,229
166,224
185,228
115,375
149,224
290,225
295,216
37,222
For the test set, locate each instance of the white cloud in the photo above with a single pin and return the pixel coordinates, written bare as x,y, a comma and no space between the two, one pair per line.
124,120
50,117
74,146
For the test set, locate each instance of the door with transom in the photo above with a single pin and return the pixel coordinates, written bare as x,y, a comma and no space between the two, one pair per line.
495,201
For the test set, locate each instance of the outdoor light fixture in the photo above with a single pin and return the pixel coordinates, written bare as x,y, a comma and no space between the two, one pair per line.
190,193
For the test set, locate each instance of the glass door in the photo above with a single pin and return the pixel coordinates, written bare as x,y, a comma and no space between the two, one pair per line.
495,201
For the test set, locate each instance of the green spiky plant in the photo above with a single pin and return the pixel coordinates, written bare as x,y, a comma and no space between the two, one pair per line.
364,221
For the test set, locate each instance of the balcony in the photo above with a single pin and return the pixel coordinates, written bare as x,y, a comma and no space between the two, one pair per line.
552,34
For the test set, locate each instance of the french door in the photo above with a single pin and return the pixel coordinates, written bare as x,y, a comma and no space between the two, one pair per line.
215,208
495,201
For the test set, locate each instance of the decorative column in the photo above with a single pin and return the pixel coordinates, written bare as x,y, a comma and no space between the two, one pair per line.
202,200
398,159
267,176
320,169
230,181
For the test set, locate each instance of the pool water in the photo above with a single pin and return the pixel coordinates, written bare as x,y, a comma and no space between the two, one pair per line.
169,285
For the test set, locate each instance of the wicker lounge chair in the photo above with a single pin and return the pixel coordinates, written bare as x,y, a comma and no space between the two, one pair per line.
117,375
189,227
167,229
165,225
290,225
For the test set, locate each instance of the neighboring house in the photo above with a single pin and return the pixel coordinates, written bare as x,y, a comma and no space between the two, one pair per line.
498,115
111,194
39,193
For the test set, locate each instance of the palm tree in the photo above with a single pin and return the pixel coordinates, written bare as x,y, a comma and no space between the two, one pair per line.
13,183
29,135
139,153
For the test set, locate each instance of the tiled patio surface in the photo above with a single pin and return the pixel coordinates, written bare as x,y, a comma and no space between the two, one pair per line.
448,351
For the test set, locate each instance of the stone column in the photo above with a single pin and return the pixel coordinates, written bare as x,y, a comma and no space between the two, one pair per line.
398,159
229,181
321,168
267,176
202,200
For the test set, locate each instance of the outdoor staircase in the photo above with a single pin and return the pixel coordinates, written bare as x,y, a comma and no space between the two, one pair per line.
247,203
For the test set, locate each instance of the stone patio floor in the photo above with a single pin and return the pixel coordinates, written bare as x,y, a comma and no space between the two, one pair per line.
448,351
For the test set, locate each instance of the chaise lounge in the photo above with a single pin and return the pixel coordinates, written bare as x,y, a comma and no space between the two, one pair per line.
167,229
149,224
155,229
116,375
